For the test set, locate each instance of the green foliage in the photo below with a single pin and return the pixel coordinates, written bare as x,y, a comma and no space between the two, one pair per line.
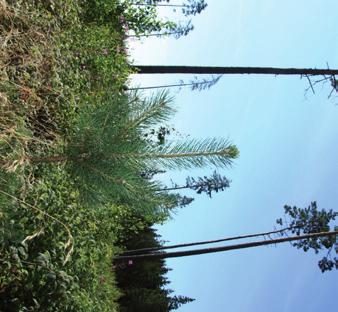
191,7
312,220
55,253
62,68
143,282
190,154
144,21
177,301
102,140
140,20
107,150
34,274
214,183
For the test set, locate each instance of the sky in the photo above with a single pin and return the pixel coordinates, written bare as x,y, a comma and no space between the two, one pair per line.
288,150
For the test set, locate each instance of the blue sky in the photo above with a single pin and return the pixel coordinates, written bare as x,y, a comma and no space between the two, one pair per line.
287,142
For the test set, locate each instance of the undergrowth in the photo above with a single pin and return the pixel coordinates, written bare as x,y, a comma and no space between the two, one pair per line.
56,254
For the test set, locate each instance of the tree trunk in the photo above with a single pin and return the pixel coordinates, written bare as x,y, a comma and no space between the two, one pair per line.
154,69
172,188
162,5
154,35
198,85
147,250
50,159
178,254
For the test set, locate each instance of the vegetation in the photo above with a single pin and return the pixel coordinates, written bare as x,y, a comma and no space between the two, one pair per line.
177,30
214,183
194,85
73,147
143,282
77,165
54,251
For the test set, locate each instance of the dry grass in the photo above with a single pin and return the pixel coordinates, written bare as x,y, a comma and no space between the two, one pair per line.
27,66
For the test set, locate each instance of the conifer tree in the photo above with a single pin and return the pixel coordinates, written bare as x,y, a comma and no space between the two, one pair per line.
309,226
214,183
195,84
207,242
143,283
107,150
177,30
176,301
150,173
191,7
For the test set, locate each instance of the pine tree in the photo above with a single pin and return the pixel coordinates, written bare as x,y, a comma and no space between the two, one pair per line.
214,183
312,220
180,30
143,283
191,7
107,150
207,242
176,301
195,252
309,226
150,173
177,30
195,84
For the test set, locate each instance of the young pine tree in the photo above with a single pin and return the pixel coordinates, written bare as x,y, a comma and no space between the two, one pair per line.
107,150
